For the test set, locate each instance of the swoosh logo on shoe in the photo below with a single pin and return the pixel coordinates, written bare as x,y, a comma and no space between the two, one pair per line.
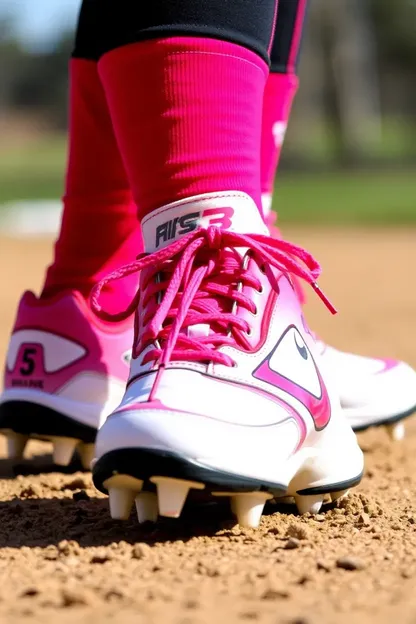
302,350
291,368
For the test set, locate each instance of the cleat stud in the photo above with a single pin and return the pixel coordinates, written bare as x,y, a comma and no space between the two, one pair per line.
249,508
86,454
63,450
121,502
146,507
172,493
339,495
122,490
396,431
309,504
16,443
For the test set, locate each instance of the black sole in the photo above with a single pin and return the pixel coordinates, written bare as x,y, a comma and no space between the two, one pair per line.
143,464
36,420
334,487
387,421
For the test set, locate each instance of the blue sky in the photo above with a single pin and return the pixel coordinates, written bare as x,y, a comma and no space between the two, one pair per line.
38,21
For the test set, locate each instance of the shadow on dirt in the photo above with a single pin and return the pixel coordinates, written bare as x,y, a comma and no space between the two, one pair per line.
43,522
32,520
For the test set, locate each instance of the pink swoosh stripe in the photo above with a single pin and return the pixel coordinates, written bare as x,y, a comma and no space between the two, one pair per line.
318,407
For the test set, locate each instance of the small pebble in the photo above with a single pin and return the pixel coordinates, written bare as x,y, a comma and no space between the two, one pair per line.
298,531
76,597
51,554
350,563
292,543
323,565
101,557
140,551
30,592
274,593
364,519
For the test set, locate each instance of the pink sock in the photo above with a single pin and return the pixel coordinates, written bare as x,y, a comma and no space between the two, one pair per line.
99,230
278,97
187,115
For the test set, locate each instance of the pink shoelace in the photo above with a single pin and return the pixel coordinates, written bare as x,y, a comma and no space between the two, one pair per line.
275,232
197,281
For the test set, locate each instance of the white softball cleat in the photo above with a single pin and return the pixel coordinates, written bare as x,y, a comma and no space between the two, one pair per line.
227,395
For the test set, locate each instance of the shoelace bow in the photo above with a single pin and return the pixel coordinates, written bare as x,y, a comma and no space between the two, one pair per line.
200,278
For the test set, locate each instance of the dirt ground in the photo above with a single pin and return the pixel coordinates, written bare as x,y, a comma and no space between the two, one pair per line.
62,559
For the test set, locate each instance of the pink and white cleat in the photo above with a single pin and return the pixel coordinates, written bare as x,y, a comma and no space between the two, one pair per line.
225,393
372,391
65,371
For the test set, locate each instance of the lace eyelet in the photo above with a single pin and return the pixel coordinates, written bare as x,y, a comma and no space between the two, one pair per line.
249,332
235,365
263,269
260,290
255,313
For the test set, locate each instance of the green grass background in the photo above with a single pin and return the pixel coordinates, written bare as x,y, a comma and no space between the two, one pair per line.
386,196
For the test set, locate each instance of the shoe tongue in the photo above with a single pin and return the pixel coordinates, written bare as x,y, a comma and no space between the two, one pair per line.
233,211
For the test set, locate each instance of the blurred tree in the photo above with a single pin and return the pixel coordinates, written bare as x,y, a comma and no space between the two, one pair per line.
34,82
41,82
358,77
353,72
395,25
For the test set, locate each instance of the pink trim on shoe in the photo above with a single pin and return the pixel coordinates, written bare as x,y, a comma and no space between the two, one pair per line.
138,406
65,323
389,363
319,407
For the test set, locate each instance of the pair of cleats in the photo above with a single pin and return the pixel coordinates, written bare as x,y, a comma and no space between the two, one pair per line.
229,394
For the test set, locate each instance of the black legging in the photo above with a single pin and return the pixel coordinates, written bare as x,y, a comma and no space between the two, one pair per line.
288,34
100,27
106,24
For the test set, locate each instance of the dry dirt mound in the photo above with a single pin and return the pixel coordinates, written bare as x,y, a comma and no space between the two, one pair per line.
62,559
